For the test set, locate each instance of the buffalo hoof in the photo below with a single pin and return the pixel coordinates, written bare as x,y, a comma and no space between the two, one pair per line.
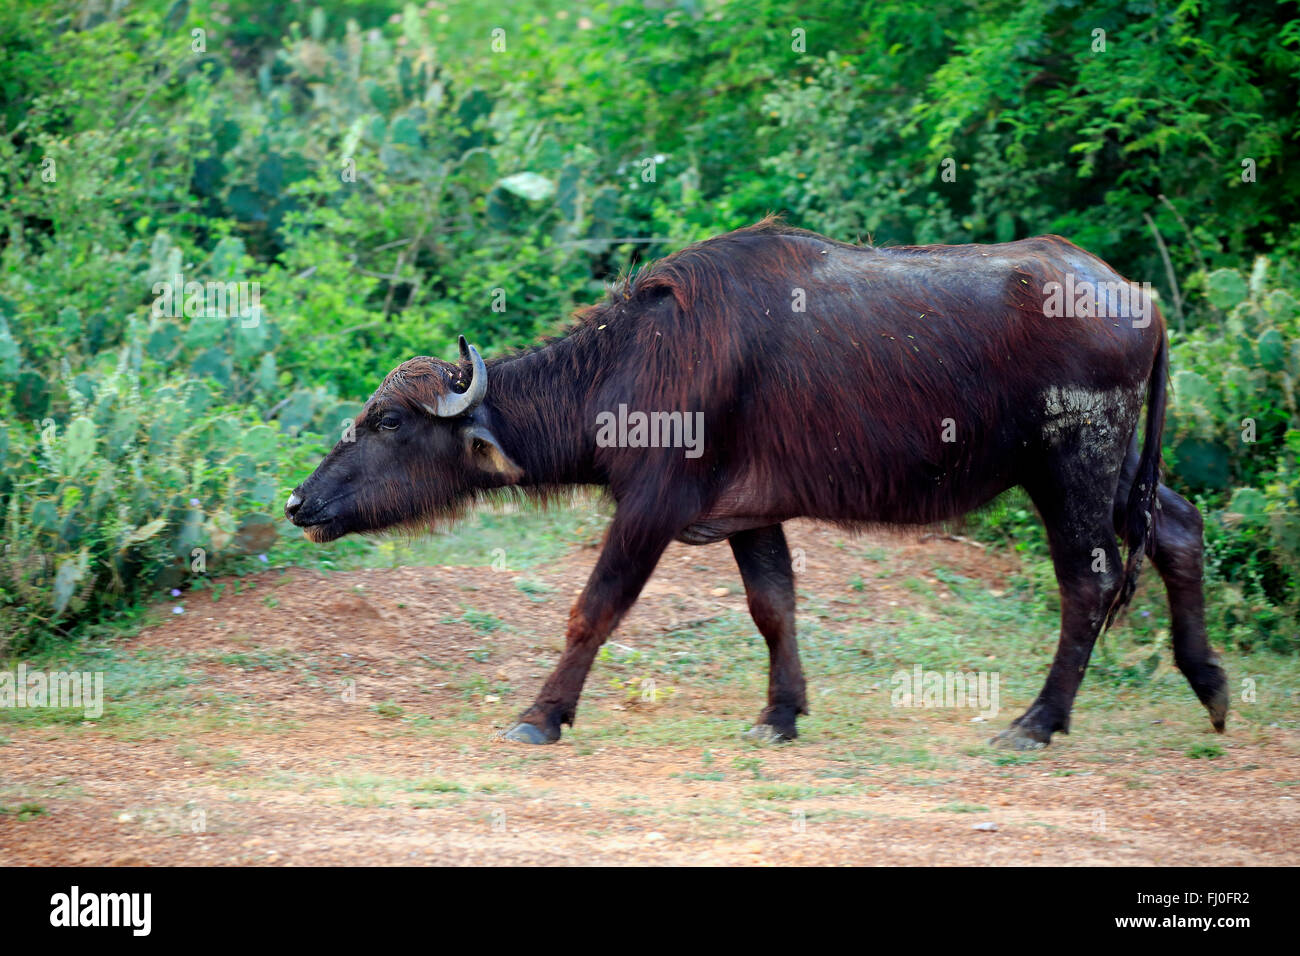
526,733
1211,685
1218,708
1022,738
767,734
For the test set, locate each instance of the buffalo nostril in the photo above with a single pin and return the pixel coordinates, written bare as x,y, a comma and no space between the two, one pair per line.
292,505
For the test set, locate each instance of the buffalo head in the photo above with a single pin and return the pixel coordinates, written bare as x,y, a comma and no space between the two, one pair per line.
419,451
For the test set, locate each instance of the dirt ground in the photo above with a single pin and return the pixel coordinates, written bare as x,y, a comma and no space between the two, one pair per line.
349,719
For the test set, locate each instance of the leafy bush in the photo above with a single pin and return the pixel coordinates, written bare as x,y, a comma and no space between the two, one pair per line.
389,175
139,487
1232,442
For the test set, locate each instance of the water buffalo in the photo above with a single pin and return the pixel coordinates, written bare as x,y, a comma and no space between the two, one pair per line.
851,384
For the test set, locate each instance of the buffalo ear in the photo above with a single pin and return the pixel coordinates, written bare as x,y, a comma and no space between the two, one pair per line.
486,453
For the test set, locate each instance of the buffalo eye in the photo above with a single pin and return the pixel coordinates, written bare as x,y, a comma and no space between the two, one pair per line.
389,423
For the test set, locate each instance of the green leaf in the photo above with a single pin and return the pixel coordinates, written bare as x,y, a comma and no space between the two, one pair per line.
264,379
163,342
214,363
1226,288
405,131
71,570
378,96
261,441
299,410
529,186
10,355
1202,463
477,169
78,445
245,205
270,175
1272,351
144,532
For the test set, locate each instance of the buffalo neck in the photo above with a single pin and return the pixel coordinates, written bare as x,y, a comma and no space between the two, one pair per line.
538,401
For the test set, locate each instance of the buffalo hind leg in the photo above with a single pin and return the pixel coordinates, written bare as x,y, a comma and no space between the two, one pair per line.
1089,574
764,562
1179,558
632,549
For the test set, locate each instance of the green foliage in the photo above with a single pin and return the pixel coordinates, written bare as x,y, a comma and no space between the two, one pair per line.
140,487
1232,440
390,175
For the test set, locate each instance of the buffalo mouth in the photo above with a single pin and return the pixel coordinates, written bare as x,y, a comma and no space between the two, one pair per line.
322,531
319,521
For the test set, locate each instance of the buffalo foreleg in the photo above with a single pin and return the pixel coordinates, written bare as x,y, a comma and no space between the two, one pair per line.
632,549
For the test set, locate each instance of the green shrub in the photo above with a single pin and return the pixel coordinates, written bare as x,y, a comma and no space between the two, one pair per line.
389,178
135,489
1232,442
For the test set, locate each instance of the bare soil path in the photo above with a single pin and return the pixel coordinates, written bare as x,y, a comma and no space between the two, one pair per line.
348,719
